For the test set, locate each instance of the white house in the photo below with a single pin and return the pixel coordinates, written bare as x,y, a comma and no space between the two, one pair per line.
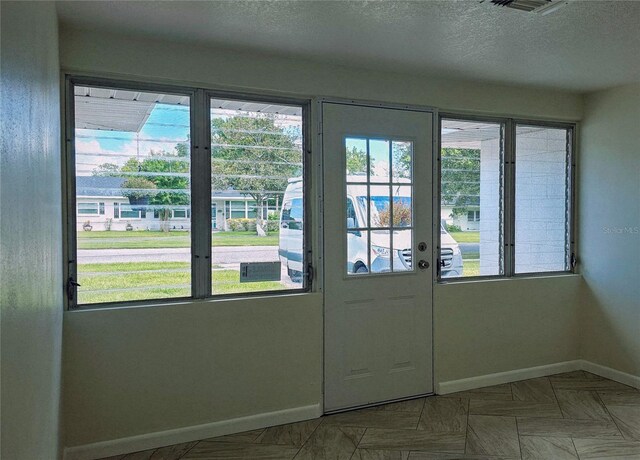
102,205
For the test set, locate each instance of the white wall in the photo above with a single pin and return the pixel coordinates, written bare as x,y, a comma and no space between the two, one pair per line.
609,206
496,326
31,267
132,347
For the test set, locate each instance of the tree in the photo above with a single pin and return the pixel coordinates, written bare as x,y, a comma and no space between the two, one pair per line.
254,156
356,161
172,184
460,178
167,189
139,189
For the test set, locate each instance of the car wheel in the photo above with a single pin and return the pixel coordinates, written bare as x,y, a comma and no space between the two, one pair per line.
362,269
295,275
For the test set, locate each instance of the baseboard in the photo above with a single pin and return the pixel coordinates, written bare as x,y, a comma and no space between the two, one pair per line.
612,374
191,433
480,381
471,383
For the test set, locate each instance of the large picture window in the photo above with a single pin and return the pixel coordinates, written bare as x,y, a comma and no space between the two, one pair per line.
144,225
519,176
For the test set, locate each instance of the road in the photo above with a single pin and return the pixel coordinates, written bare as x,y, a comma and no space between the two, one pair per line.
221,255
469,248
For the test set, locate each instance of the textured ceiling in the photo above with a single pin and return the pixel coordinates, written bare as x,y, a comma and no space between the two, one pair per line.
585,45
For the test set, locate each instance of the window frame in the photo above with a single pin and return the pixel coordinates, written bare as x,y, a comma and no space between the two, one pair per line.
200,181
508,193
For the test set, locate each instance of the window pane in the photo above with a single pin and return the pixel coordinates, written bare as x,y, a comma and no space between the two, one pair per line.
358,250
471,180
542,197
379,154
402,157
356,159
402,244
402,211
257,173
380,251
132,151
87,208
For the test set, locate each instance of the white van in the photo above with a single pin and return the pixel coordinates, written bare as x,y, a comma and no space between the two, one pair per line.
291,234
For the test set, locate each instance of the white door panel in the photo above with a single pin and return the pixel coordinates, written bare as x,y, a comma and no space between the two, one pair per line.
378,303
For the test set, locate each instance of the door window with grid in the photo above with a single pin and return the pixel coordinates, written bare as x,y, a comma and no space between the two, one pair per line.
379,189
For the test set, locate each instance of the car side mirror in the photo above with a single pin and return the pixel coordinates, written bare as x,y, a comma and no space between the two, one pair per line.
351,222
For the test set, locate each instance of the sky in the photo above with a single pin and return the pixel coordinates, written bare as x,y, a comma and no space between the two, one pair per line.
166,126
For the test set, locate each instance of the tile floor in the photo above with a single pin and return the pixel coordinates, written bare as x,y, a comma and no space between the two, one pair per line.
575,415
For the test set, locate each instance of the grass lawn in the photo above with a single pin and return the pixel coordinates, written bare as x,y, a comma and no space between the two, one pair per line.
466,237
153,280
470,267
150,240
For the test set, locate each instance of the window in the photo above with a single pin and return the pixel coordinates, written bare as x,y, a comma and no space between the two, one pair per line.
379,212
471,179
132,148
542,199
523,188
473,216
88,208
257,161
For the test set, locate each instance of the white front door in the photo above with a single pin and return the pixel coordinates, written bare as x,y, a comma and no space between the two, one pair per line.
377,254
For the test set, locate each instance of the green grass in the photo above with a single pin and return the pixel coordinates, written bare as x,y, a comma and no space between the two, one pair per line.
147,280
470,267
466,237
156,240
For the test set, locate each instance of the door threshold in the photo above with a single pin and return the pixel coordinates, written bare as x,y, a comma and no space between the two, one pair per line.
376,404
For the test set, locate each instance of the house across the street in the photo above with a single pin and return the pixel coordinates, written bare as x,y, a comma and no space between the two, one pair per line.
102,205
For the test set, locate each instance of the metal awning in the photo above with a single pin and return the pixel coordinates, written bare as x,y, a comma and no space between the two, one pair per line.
127,111
116,109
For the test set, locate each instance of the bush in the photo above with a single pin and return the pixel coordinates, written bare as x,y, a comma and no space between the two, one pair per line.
273,225
236,225
452,228
241,225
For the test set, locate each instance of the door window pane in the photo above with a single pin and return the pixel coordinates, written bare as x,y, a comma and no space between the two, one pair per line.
257,170
471,178
356,159
379,155
378,205
542,199
132,150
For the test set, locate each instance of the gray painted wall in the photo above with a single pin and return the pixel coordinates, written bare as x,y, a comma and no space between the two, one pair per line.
609,205
30,271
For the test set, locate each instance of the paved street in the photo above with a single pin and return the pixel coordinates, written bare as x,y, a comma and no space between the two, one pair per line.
221,255
469,248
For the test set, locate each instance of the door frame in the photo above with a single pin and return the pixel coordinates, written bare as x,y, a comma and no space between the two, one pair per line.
317,144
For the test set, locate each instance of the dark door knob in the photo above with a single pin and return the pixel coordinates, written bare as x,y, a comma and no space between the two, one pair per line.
423,265
422,246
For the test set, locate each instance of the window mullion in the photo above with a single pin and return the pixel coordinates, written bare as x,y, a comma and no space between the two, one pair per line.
509,198
201,196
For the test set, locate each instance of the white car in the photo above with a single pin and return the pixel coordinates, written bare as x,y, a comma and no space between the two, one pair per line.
291,234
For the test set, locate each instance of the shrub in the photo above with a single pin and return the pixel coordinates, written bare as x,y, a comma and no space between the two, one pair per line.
273,225
452,227
236,225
